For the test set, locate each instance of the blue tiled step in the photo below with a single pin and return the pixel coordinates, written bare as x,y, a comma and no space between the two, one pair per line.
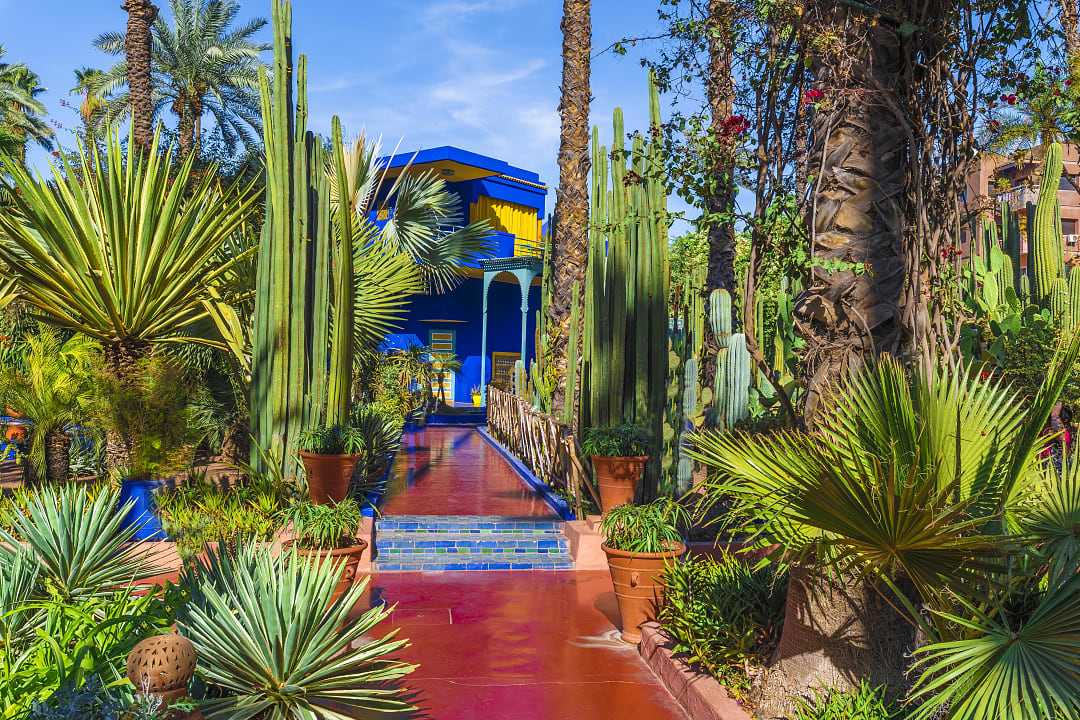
411,543
471,524
442,563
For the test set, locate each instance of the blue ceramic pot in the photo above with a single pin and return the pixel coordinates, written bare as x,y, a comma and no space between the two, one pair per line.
141,494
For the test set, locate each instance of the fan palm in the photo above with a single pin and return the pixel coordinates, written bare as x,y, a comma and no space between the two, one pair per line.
423,217
443,364
128,255
201,64
53,388
922,486
20,110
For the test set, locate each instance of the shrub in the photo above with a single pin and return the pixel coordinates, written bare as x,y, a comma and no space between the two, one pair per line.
201,512
91,701
324,527
624,440
862,703
648,528
331,440
723,615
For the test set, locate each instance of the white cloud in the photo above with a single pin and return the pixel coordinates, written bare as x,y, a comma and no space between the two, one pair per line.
459,9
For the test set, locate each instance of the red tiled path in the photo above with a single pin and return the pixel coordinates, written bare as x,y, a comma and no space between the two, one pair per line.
520,646
454,471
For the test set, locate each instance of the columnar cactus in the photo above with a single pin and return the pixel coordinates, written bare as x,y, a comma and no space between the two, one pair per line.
1044,234
290,348
626,293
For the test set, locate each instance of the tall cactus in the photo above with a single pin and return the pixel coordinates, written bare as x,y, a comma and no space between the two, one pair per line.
626,321
290,343
736,381
1044,236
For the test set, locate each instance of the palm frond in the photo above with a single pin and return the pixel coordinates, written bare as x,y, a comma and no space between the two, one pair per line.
1005,669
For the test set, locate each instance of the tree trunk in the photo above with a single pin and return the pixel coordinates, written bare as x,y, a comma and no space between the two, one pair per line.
836,633
137,44
122,359
720,200
572,197
57,456
1071,27
851,311
236,445
185,128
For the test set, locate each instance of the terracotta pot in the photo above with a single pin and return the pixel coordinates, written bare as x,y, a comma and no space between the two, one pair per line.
639,586
328,476
618,478
349,556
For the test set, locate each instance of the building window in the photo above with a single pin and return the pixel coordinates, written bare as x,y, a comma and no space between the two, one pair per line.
1068,229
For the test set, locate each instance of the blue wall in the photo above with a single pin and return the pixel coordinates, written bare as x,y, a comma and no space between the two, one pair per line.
465,303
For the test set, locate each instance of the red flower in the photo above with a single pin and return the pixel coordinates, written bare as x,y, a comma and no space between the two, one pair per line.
984,375
1011,99
1068,82
812,96
735,125
994,125
56,153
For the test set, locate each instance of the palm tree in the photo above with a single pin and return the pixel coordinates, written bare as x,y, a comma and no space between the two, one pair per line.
443,364
138,73
200,65
851,310
572,199
87,82
1071,28
20,110
53,388
916,493
129,255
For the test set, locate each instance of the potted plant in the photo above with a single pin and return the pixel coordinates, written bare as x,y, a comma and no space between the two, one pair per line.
329,455
618,456
639,540
322,531
477,397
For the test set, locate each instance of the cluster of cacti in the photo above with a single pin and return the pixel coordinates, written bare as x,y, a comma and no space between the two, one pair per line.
302,361
996,287
625,338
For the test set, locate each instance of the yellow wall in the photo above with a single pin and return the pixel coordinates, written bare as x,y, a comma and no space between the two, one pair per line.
508,217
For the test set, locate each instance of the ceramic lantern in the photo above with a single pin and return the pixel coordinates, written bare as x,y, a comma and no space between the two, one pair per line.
162,665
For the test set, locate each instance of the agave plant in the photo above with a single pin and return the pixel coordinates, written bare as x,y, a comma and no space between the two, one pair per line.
80,543
273,644
123,247
929,486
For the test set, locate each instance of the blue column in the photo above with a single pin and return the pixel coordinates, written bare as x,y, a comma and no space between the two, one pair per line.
524,277
488,277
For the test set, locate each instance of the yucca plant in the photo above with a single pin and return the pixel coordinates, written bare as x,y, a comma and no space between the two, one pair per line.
123,247
79,542
273,645
918,490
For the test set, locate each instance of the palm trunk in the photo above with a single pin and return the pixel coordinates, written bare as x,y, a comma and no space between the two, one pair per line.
836,633
57,456
122,359
1071,27
851,310
137,44
572,198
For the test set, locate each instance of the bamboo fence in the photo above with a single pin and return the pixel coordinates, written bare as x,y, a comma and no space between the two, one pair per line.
547,447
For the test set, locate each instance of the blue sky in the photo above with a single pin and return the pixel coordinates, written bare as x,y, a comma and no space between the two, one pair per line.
480,74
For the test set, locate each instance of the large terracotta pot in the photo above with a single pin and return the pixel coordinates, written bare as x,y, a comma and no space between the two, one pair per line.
639,586
349,556
328,476
618,478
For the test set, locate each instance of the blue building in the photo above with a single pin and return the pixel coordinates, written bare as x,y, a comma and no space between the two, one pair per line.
489,319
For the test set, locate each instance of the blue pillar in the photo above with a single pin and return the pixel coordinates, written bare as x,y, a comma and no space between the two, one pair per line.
488,277
524,277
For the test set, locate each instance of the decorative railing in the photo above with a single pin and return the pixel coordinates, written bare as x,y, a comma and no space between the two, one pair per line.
547,447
